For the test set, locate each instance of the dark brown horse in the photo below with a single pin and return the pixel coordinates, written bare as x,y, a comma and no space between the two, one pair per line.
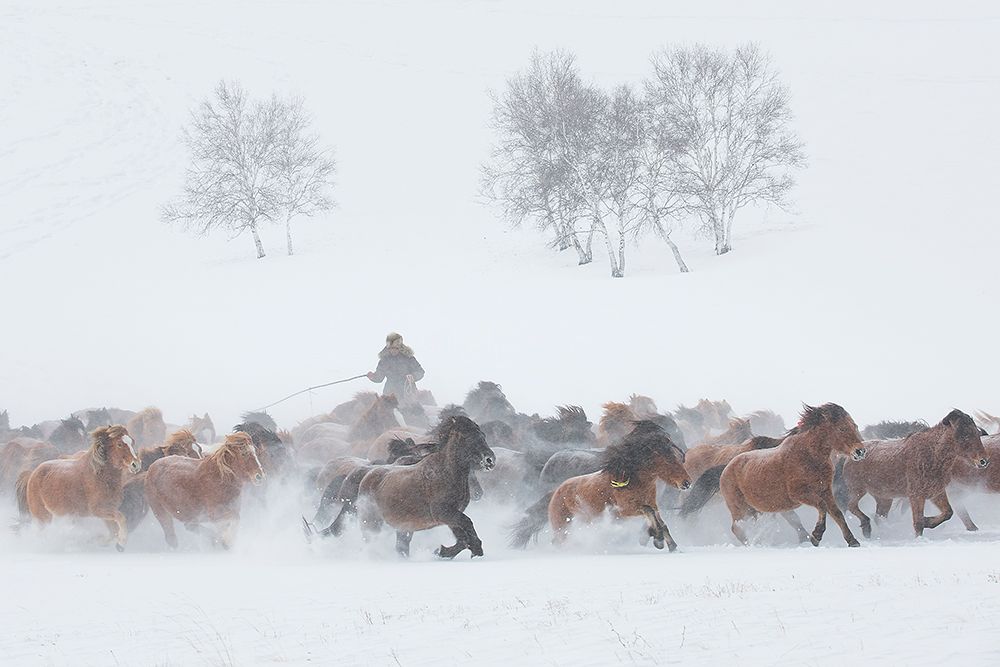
919,467
797,472
625,485
85,484
965,475
273,454
430,493
209,489
70,436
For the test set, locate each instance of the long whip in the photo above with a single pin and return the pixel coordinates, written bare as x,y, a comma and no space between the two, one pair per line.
318,386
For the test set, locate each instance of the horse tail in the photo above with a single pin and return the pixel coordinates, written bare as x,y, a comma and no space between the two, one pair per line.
840,486
531,523
21,491
706,486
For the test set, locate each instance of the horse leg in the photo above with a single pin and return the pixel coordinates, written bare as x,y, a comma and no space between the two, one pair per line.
664,531
403,538
465,537
882,507
866,522
941,500
963,514
819,528
917,510
829,503
117,527
228,533
653,527
793,520
337,527
166,522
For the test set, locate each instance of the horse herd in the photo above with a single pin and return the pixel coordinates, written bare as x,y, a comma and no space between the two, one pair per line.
417,466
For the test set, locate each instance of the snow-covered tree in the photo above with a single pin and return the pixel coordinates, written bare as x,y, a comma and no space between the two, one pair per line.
304,170
544,121
728,119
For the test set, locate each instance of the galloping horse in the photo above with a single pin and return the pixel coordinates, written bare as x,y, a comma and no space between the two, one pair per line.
625,484
433,492
193,490
86,484
919,467
797,472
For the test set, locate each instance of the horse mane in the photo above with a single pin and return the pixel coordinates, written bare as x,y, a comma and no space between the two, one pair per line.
965,425
448,427
571,413
889,429
764,442
626,460
451,410
177,437
99,440
813,416
226,448
260,417
616,413
260,435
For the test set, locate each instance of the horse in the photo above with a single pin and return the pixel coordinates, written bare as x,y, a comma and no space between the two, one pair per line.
625,484
271,451
376,420
86,484
203,428
148,427
893,430
643,407
70,435
260,417
965,475
616,423
797,472
705,464
207,489
23,454
918,467
433,492
134,506
486,402
699,421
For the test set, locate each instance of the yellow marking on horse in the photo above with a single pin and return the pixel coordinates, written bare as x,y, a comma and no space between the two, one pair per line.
619,485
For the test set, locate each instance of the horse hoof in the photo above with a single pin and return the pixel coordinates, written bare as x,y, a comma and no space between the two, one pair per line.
855,543
972,528
120,547
659,544
672,547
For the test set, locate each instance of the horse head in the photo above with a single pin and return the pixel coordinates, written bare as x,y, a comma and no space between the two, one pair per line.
238,457
462,437
967,437
113,446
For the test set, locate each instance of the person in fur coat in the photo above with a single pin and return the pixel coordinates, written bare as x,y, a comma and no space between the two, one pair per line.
398,368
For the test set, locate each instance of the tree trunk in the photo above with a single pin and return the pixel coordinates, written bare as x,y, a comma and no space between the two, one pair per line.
256,240
729,229
288,233
621,253
587,252
616,271
720,232
677,254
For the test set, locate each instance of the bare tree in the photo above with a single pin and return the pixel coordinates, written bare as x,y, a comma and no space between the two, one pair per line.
728,116
304,171
231,183
541,120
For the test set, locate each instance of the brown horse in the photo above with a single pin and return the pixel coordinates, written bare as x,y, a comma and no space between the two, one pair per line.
209,489
701,458
432,492
616,423
134,506
20,455
625,484
86,484
968,476
798,472
376,420
919,467
147,427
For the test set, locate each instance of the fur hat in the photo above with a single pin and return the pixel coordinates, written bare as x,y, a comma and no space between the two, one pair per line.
394,345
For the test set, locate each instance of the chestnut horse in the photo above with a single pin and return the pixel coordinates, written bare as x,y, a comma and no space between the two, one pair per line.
86,484
968,476
192,490
20,455
433,492
134,506
616,423
919,467
797,472
148,427
373,422
625,484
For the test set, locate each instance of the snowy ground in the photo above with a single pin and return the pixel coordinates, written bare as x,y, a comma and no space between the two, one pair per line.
603,600
878,291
